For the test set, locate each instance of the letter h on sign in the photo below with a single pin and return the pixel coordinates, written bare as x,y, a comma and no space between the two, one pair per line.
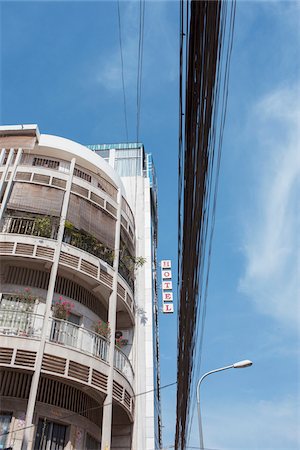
166,264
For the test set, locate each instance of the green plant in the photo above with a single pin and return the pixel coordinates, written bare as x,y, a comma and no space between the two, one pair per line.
62,309
102,328
120,342
69,225
26,299
138,261
129,261
43,226
86,241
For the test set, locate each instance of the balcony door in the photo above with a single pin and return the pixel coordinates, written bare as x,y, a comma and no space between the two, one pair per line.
50,436
5,419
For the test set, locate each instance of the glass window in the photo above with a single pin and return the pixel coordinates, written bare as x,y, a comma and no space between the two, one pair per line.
91,443
50,436
5,419
50,163
80,174
73,318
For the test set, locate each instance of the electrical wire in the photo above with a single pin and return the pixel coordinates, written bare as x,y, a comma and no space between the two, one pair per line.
214,191
142,5
122,70
199,165
95,407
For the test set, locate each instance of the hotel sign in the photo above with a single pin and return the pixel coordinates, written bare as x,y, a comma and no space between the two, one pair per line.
167,294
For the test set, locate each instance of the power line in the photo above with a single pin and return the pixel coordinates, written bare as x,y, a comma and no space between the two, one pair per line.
96,407
122,70
140,66
214,192
200,143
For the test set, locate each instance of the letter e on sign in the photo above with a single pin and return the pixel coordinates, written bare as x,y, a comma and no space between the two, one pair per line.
166,264
167,285
168,308
167,296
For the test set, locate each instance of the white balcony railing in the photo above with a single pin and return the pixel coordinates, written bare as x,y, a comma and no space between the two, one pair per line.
122,363
27,324
20,323
71,335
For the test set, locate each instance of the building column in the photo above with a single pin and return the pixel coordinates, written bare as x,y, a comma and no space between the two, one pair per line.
12,175
7,165
50,292
112,315
2,154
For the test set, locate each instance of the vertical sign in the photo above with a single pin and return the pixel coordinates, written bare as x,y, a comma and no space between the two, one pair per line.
167,294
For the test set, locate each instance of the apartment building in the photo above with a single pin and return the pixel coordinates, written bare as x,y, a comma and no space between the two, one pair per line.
79,352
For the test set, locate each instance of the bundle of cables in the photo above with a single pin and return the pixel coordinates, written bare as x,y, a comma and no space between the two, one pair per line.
207,27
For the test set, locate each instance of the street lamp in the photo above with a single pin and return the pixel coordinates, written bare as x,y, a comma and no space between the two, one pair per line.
237,365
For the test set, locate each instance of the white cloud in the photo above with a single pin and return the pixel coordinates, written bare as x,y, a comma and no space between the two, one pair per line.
271,244
262,424
160,58
110,73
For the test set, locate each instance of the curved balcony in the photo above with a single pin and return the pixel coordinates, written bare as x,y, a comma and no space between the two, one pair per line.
73,259
47,227
24,323
71,335
88,243
123,365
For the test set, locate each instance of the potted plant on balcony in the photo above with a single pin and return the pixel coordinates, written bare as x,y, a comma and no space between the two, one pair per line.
43,226
62,309
21,305
120,342
102,328
26,300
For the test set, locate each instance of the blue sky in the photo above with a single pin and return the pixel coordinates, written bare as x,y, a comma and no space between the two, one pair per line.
61,69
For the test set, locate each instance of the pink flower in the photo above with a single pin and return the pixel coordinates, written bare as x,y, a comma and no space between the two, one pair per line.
60,298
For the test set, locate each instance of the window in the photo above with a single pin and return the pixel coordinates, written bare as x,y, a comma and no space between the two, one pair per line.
50,436
5,419
50,163
80,174
16,315
91,443
74,318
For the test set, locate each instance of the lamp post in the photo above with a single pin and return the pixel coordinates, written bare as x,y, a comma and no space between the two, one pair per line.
237,365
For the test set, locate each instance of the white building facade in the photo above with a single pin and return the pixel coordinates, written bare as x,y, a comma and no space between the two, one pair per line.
79,355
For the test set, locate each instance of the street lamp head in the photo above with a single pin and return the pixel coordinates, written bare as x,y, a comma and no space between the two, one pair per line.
242,364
